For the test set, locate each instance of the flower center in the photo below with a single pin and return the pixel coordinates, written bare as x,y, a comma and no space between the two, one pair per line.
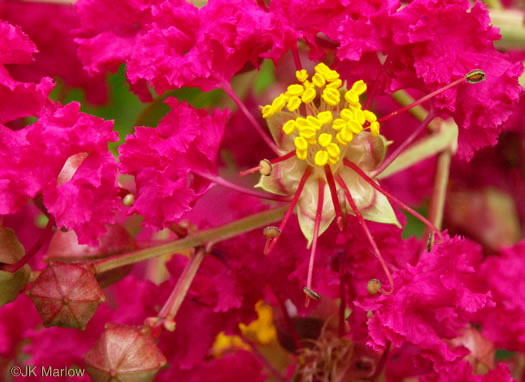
327,115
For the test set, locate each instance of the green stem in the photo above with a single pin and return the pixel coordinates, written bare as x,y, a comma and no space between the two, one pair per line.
172,305
446,137
439,192
216,234
404,99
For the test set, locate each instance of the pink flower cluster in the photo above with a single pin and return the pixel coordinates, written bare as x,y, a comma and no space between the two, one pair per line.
172,235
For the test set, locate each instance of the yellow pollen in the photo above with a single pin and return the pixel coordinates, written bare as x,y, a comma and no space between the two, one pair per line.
267,111
335,84
314,122
360,116
338,124
301,144
293,103
369,116
278,103
347,115
308,95
322,68
359,87
301,154
354,127
301,122
301,75
351,97
318,80
374,128
331,96
307,133
289,127
321,158
333,150
295,90
331,75
345,136
325,139
325,117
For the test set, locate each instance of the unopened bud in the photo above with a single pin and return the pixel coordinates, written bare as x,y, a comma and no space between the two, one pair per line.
66,295
124,353
374,286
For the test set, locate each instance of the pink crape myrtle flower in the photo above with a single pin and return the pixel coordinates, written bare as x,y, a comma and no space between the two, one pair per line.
161,159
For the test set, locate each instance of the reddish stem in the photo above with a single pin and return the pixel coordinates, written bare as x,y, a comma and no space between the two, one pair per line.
229,90
368,235
296,58
391,197
405,143
223,182
273,161
333,192
379,78
46,234
290,209
423,99
317,224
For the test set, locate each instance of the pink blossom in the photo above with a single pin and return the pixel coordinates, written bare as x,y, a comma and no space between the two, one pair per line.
161,160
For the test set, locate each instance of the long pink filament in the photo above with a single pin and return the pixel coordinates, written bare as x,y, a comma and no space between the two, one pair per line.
317,225
288,213
368,235
335,200
392,198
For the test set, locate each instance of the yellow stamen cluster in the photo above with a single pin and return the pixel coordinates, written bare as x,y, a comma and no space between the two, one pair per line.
328,123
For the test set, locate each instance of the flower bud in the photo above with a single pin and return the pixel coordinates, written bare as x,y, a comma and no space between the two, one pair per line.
11,283
124,353
66,295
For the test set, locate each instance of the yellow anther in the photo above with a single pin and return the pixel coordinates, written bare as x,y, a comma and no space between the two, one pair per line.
301,154
333,150
345,136
289,127
359,87
354,127
293,103
295,90
321,158
302,75
351,97
359,116
374,128
325,117
307,84
267,111
322,68
338,124
335,84
278,103
308,95
325,139
301,122
311,141
307,133
318,80
369,116
301,144
334,160
331,96
312,121
347,115
331,75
